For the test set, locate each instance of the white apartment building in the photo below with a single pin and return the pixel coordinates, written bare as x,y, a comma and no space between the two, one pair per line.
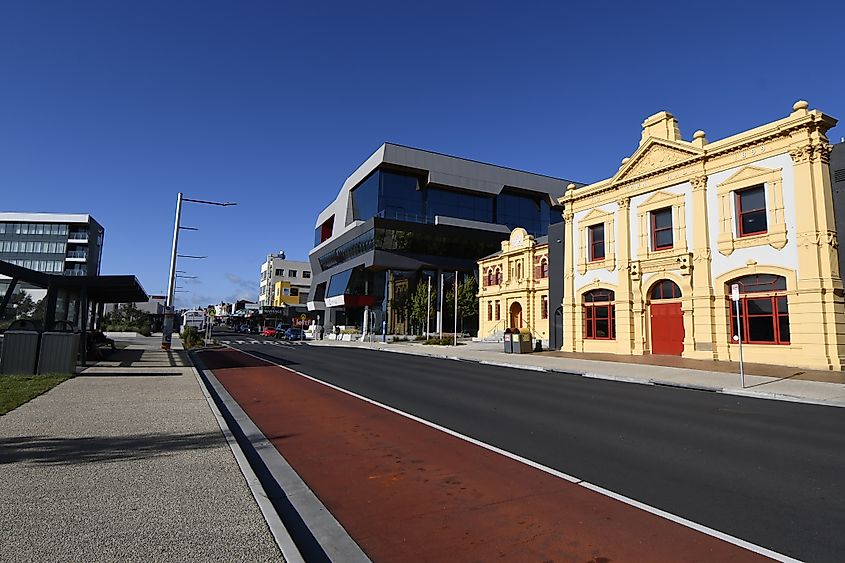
283,281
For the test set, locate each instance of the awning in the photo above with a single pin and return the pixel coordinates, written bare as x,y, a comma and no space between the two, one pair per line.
100,289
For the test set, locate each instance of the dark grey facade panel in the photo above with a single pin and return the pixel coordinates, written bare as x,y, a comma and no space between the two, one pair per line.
556,281
470,174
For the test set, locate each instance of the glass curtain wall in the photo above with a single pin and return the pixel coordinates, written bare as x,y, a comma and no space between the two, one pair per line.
393,195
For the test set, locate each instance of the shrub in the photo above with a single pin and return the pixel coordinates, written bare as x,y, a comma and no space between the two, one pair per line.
191,337
445,341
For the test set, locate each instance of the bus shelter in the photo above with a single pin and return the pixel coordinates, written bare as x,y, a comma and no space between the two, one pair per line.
78,300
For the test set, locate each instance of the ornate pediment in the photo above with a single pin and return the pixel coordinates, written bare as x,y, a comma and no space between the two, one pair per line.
659,198
655,155
749,173
596,216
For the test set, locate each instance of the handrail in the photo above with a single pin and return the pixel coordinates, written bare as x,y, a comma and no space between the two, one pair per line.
495,326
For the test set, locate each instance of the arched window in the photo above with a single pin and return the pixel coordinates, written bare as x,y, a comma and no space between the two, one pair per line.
763,309
599,321
665,289
498,276
544,268
519,270
489,276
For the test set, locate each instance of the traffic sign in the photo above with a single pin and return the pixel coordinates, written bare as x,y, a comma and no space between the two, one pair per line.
735,292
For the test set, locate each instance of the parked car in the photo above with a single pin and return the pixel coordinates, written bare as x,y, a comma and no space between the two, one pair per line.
280,330
243,328
294,334
269,331
253,329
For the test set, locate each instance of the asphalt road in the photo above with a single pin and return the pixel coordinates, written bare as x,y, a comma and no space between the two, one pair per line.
769,472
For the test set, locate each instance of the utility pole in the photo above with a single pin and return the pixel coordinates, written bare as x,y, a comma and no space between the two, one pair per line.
441,306
456,307
167,329
428,310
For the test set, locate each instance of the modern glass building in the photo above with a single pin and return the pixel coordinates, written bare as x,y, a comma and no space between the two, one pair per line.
406,215
68,244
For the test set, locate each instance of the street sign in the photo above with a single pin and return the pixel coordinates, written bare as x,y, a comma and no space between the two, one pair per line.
735,292
738,335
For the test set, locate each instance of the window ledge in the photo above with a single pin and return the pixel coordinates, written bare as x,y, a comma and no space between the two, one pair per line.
776,238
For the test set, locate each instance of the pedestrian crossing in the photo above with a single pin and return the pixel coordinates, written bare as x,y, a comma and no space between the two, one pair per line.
269,342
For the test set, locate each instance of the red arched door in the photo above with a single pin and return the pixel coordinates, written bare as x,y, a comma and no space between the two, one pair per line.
667,319
516,315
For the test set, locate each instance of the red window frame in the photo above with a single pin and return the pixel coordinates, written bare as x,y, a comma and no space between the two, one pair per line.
763,288
594,301
544,307
665,289
740,212
489,310
595,244
655,230
498,312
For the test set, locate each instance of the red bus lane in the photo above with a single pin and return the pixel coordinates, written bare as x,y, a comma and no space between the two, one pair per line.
408,492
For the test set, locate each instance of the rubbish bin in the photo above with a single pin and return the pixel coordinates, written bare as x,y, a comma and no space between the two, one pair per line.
522,341
59,348
507,338
20,348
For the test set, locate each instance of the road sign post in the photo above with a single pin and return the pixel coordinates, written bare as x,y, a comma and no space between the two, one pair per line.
738,336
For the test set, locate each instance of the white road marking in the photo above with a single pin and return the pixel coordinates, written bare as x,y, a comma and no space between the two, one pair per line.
575,480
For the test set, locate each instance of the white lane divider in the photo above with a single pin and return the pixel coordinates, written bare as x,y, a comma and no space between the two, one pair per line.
575,480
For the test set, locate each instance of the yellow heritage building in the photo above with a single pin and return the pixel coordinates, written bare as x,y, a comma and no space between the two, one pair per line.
652,253
514,287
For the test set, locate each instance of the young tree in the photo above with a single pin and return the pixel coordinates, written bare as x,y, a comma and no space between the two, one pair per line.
468,297
419,303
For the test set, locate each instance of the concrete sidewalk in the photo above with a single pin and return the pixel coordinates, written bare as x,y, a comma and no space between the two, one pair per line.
125,462
782,387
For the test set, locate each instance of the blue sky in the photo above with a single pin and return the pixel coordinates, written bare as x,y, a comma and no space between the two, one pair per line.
111,108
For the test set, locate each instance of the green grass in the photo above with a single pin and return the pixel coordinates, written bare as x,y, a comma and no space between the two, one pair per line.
15,390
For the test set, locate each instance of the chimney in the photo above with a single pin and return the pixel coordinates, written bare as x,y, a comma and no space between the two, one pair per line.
662,125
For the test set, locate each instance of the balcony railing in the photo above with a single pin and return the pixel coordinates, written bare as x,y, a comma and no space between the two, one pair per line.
74,272
80,235
77,254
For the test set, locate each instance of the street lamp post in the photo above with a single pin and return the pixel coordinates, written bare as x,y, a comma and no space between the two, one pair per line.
167,329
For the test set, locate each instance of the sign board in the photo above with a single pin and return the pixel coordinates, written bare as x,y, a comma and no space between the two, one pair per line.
267,310
303,316
735,292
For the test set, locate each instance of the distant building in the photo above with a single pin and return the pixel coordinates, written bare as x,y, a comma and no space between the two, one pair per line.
408,215
282,281
55,243
514,287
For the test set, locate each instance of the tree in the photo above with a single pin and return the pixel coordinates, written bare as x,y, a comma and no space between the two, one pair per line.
467,300
468,297
419,303
128,318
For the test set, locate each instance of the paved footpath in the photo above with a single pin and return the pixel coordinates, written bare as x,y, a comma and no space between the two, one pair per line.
408,492
125,464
